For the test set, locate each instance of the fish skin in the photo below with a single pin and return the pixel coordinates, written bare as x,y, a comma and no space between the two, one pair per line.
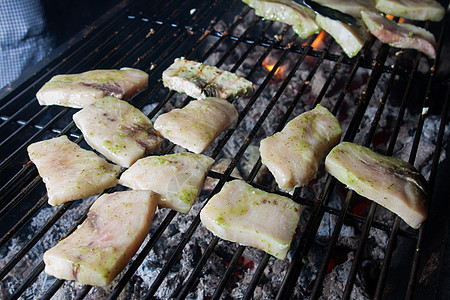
390,182
100,248
200,81
405,36
80,90
198,124
117,130
178,178
249,216
70,172
293,154
418,10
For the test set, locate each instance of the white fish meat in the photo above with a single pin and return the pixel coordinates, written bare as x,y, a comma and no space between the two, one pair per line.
198,124
390,182
301,18
293,154
117,130
80,90
70,172
350,38
177,178
403,35
200,81
249,216
100,248
419,10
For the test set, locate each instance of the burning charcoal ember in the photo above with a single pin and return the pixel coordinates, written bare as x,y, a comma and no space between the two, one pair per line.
418,10
243,214
389,181
198,124
177,178
118,130
405,36
301,18
201,81
293,155
80,90
70,172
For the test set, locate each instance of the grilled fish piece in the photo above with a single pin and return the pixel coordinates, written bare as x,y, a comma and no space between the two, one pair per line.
419,10
100,248
200,81
80,90
178,178
117,130
198,124
351,7
350,38
70,172
249,216
390,182
397,35
293,154
301,18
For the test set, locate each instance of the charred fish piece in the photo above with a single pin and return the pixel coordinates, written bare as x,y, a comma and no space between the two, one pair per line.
390,182
199,81
100,248
249,216
117,130
293,154
80,90
70,172
178,178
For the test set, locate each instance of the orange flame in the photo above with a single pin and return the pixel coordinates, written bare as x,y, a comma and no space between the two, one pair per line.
269,66
390,17
401,20
318,42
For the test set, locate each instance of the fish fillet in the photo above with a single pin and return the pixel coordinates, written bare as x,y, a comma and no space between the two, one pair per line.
390,182
293,154
70,172
397,35
178,178
100,248
249,216
419,10
198,124
80,90
200,81
117,130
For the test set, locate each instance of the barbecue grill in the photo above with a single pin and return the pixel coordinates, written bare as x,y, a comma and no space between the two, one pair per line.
383,97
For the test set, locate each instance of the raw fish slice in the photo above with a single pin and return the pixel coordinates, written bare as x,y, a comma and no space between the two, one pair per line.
117,130
390,182
100,248
397,35
70,172
420,10
350,38
198,124
249,216
301,18
80,90
200,81
178,178
293,154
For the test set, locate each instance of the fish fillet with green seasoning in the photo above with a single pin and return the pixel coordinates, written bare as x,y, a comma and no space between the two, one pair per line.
301,18
249,216
398,35
117,130
390,182
293,154
100,248
80,90
419,10
198,124
178,178
200,81
70,172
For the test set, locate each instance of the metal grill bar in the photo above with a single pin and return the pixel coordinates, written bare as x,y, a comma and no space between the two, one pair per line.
125,41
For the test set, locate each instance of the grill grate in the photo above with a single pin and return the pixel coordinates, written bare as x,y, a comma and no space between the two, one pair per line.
149,36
